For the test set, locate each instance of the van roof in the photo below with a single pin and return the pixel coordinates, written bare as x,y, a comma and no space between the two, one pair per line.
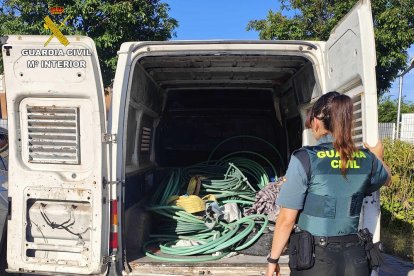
140,44
226,70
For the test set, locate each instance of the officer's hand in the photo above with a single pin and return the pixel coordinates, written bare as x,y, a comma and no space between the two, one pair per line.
271,268
378,149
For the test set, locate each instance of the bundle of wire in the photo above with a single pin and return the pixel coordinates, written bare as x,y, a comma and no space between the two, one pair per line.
233,178
219,241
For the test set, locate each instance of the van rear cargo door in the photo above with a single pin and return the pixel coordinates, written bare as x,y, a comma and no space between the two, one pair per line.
350,65
58,163
350,68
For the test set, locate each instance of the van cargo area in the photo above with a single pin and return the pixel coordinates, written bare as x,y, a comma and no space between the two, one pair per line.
205,106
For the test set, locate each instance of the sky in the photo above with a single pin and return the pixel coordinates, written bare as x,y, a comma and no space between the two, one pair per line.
227,19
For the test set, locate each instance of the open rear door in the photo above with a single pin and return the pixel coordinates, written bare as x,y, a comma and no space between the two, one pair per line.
58,162
350,69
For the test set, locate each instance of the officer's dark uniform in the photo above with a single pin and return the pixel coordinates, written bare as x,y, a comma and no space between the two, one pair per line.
330,204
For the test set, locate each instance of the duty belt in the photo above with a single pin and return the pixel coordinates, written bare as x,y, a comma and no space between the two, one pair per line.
323,241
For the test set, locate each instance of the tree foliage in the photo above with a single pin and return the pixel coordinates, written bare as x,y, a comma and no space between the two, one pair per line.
109,23
387,109
314,19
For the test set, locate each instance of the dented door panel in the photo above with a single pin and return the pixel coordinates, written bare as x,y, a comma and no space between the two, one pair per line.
59,214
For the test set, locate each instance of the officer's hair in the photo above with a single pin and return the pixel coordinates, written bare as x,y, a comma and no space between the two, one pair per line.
335,110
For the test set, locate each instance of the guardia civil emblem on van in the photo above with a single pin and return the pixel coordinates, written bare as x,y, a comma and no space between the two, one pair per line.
50,25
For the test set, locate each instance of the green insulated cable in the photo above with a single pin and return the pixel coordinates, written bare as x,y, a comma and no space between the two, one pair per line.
224,238
250,137
252,153
234,186
251,168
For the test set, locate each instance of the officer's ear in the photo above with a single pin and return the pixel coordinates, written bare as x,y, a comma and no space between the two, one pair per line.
318,128
315,124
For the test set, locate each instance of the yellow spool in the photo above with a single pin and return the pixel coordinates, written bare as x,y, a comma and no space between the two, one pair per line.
191,203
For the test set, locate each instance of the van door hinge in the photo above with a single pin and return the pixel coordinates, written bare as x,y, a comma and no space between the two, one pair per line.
109,259
106,182
9,212
108,138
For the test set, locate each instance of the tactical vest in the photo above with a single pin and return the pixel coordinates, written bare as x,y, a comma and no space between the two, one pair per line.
333,202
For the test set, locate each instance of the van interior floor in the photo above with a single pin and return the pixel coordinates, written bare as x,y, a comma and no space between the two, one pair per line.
237,265
239,259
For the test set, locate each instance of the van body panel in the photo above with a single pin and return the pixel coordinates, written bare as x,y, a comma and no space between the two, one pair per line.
350,51
119,104
58,163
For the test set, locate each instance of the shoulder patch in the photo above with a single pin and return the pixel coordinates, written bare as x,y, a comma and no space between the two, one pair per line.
304,159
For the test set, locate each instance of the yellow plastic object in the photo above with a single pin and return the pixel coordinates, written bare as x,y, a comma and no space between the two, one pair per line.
194,185
191,203
209,198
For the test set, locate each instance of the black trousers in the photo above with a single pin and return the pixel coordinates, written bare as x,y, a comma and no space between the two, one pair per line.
337,259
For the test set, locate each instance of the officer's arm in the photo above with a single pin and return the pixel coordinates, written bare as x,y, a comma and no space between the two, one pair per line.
388,181
283,228
378,151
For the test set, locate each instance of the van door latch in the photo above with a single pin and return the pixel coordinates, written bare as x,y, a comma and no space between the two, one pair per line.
7,48
108,138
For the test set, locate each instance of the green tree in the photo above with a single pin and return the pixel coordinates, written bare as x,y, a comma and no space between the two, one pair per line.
387,108
314,19
109,23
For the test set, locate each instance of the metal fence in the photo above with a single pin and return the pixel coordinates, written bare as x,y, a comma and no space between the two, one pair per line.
387,130
407,127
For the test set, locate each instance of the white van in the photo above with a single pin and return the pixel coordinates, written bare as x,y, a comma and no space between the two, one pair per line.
75,178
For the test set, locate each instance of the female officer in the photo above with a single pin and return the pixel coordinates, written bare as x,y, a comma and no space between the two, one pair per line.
325,185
